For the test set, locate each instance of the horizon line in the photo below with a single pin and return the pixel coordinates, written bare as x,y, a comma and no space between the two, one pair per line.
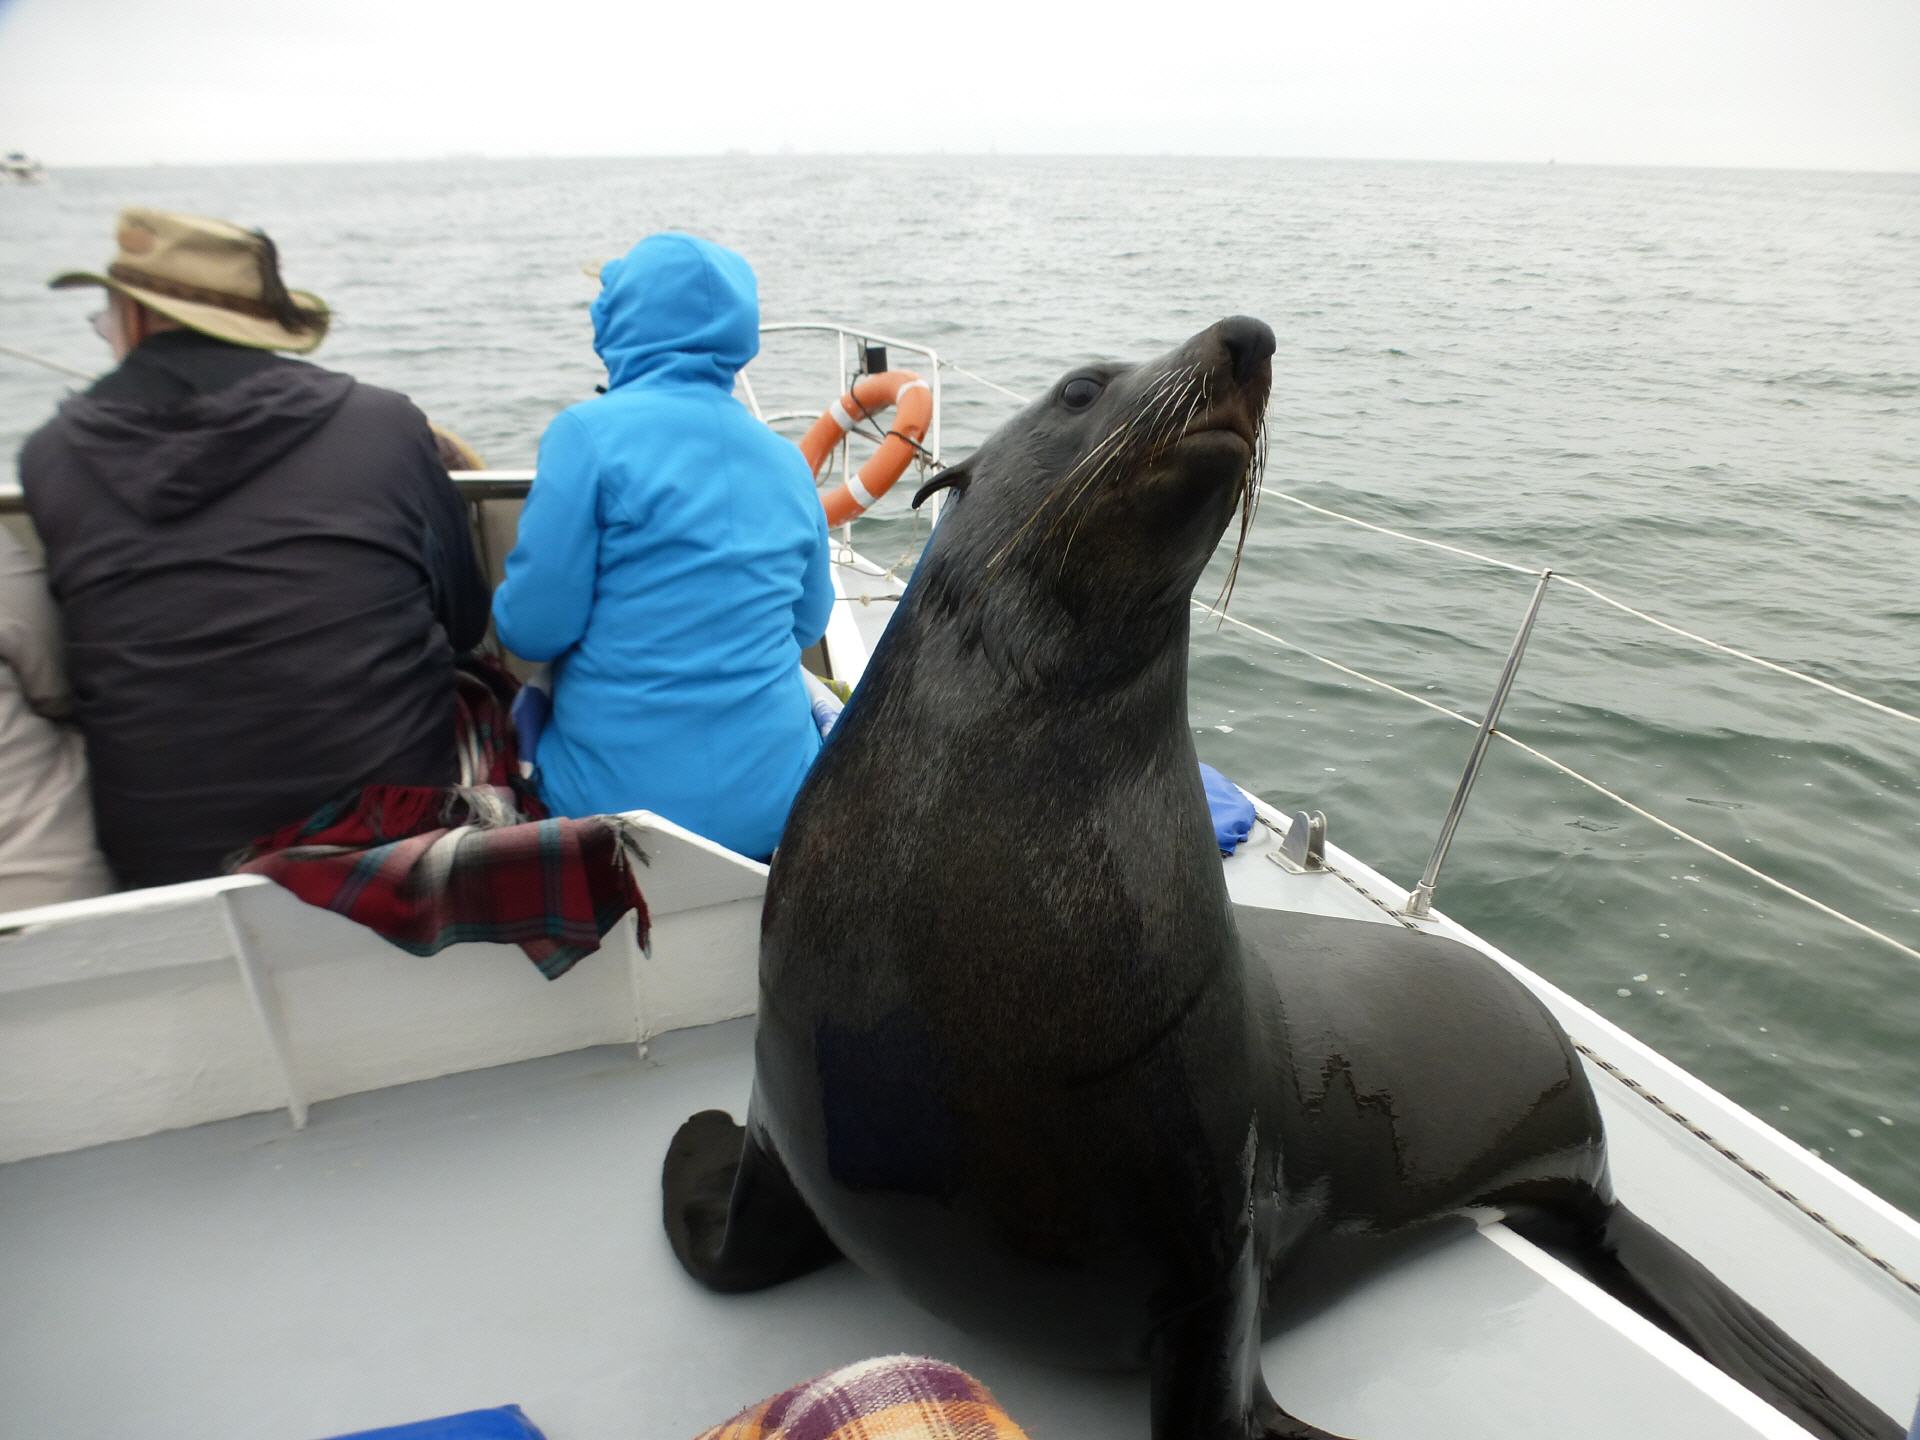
745,153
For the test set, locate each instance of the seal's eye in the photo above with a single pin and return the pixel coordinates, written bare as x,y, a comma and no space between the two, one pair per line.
1081,392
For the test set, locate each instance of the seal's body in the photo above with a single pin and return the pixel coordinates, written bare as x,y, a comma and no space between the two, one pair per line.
1018,1052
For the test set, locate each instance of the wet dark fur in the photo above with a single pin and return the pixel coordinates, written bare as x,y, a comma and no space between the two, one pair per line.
1018,1053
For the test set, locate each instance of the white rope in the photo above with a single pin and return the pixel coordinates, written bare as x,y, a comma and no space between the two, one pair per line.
1595,785
1334,664
1741,654
1761,875
1621,606
49,364
1398,534
982,380
868,599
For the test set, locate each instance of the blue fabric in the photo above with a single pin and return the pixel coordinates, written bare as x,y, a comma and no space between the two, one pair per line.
672,564
1232,811
508,1422
532,703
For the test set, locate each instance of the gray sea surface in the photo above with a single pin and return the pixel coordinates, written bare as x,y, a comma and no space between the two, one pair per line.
1696,390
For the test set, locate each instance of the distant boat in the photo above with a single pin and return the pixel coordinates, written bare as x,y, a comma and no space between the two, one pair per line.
22,169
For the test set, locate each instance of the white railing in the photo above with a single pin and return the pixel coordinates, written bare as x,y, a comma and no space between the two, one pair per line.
1488,727
845,371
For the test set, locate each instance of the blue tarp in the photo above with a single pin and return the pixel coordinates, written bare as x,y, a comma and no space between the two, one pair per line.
504,1422
1232,811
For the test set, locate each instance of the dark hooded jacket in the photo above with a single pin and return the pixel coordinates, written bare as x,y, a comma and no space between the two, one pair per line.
265,575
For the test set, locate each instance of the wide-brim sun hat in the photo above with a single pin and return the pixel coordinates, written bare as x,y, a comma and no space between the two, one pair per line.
209,276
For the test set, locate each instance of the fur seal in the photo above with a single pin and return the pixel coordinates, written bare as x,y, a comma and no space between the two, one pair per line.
1020,1055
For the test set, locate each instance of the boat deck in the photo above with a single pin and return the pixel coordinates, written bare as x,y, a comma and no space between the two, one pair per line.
495,1236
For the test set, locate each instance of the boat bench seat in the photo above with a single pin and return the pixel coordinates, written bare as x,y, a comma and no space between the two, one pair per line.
178,1005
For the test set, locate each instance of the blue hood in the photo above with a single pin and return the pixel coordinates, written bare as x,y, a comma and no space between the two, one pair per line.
676,309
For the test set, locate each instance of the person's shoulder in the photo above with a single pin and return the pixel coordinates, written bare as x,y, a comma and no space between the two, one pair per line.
592,411
46,448
376,410
582,424
372,399
627,419
40,443
781,451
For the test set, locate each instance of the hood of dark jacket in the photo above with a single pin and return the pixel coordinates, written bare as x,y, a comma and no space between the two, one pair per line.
164,451
677,310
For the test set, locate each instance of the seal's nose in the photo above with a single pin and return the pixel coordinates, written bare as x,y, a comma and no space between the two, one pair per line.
1248,341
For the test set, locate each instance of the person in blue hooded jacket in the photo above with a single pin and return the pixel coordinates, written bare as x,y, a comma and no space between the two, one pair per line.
672,564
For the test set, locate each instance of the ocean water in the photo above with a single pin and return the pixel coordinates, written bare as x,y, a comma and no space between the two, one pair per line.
1696,390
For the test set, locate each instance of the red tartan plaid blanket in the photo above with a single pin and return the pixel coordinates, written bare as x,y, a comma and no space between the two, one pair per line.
898,1397
427,867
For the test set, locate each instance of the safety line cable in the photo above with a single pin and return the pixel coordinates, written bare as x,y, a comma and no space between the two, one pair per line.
1266,490
1567,770
1738,864
1897,714
42,360
1619,605
982,380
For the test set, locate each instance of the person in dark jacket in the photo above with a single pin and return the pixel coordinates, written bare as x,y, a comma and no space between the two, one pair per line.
264,568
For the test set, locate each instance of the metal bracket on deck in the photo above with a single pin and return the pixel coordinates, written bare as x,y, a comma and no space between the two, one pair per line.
1304,846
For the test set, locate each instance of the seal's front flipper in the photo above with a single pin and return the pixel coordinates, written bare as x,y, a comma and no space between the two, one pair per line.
733,1217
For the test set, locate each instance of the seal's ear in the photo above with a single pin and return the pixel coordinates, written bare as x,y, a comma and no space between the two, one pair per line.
952,477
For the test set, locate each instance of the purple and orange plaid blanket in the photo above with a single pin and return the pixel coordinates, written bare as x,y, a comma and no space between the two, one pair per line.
895,1397
428,867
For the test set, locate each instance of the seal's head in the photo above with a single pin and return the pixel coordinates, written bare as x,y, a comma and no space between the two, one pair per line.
1101,502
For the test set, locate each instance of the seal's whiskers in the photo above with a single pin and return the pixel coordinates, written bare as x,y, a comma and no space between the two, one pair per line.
1168,403
1173,408
1107,451
1249,503
1164,402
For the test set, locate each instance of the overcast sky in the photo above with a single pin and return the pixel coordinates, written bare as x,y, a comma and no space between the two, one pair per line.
1830,84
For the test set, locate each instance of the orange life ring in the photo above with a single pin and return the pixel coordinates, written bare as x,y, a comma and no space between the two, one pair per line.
912,402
